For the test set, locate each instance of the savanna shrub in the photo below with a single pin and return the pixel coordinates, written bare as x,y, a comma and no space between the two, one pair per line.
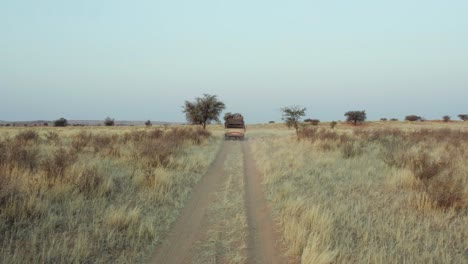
442,182
7,189
52,137
57,163
88,180
424,167
308,133
412,118
102,141
109,121
350,149
27,136
23,157
81,140
313,122
61,122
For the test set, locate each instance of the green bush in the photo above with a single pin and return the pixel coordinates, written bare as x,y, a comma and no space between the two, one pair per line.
61,122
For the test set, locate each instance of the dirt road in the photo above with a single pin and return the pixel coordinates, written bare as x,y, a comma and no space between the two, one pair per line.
264,245
262,240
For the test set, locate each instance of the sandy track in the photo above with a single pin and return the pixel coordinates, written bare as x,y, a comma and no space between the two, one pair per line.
264,244
188,228
263,241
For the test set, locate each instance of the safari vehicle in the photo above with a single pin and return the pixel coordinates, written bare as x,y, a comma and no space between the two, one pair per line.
234,126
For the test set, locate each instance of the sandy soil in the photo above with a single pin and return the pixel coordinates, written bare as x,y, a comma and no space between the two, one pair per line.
263,240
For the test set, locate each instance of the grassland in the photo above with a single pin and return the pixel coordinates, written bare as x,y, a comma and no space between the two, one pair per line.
381,192
100,195
377,193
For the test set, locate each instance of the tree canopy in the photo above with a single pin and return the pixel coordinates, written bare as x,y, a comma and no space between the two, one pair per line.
61,122
203,110
292,116
109,121
356,116
412,118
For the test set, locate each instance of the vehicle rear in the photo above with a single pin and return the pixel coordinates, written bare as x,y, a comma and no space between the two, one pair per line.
234,127
234,133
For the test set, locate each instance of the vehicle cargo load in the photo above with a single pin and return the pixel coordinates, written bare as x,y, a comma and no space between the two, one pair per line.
234,125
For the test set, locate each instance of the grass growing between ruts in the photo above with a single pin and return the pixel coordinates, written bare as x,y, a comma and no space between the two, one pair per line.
227,232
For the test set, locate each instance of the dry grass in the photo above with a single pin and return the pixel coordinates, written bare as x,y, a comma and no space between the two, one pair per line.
370,195
100,195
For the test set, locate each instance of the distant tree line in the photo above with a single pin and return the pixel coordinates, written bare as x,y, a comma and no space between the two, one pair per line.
206,109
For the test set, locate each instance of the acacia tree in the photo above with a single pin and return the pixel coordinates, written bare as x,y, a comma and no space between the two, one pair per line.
413,118
313,122
203,110
109,121
463,117
61,122
356,116
292,116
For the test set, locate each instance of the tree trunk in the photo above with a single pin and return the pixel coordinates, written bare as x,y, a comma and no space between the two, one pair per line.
297,131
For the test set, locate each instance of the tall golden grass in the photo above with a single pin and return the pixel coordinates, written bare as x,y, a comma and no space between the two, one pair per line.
94,195
370,194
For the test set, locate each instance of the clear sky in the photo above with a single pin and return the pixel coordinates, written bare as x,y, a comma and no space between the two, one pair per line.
139,60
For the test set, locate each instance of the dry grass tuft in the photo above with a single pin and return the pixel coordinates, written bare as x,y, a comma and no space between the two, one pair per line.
27,136
122,218
56,164
81,140
88,180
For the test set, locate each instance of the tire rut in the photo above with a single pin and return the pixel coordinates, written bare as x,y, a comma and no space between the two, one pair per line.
264,243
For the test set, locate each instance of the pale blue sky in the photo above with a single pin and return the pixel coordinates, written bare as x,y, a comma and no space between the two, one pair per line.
138,60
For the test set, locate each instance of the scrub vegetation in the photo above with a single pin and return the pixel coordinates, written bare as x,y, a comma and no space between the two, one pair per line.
94,195
370,194
375,193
